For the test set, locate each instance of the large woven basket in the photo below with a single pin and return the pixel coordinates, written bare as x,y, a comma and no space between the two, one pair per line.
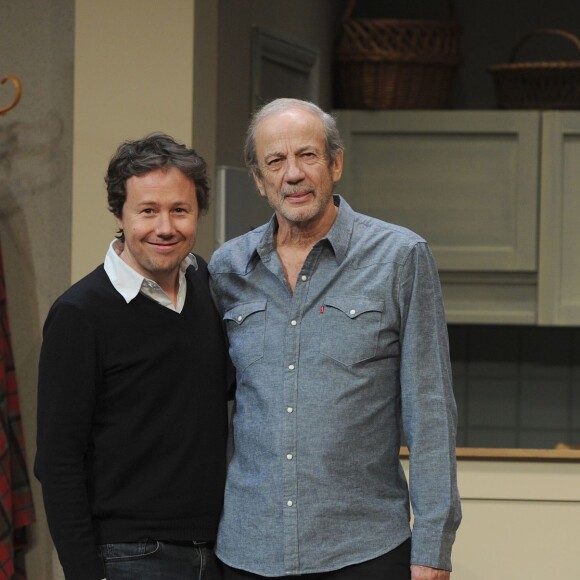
541,84
396,64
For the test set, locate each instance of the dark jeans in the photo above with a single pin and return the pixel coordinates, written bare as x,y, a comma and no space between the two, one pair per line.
154,560
394,565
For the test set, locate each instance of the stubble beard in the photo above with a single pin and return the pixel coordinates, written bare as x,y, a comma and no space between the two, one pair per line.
300,214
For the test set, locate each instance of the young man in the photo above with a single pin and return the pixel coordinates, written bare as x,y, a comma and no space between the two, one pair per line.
132,386
337,331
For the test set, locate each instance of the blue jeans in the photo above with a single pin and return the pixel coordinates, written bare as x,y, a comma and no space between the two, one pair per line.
155,560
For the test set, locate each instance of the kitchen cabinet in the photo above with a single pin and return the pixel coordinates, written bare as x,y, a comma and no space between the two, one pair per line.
559,267
521,520
495,193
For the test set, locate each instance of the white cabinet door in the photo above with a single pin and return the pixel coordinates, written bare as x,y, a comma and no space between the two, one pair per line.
467,181
559,273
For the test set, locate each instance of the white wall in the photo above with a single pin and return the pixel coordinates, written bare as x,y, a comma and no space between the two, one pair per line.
133,75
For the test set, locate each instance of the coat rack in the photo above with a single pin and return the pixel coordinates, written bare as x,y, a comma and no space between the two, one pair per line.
16,98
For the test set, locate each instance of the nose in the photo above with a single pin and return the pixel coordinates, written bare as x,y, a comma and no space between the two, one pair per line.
164,225
294,173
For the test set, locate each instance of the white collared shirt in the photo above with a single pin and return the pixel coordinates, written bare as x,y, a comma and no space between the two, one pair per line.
129,282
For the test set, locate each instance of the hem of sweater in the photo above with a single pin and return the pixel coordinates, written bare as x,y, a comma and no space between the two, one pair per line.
111,531
354,560
93,570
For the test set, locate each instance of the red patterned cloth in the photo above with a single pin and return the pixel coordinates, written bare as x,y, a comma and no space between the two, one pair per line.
16,508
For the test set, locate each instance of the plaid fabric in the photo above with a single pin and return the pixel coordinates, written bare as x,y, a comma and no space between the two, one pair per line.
16,508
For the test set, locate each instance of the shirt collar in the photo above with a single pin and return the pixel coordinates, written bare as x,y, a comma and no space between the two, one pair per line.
125,279
338,237
339,234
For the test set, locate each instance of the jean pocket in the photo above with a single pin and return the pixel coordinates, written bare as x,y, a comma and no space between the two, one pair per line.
128,550
350,328
246,325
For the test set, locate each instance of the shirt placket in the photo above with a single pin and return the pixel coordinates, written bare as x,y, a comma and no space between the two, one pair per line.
292,410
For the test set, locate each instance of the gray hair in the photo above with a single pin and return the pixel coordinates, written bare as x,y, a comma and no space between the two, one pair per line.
332,138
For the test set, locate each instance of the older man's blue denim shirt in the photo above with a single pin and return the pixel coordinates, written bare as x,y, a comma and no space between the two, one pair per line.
326,378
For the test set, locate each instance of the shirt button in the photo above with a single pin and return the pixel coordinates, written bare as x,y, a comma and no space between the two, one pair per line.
289,409
291,367
293,323
353,311
289,456
289,503
304,278
239,319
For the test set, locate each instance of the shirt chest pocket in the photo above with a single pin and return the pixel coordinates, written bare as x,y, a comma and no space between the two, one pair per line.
350,328
246,324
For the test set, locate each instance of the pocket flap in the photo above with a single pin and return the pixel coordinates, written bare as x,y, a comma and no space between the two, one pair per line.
240,312
353,306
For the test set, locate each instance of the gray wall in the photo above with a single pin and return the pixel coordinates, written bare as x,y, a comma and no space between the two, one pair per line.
314,23
490,30
35,192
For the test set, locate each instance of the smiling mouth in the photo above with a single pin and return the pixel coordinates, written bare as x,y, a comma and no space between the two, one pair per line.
297,196
163,246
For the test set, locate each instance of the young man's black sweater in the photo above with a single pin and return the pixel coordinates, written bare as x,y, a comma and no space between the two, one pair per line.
132,419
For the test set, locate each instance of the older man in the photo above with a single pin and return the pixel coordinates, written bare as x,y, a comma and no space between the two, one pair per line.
337,331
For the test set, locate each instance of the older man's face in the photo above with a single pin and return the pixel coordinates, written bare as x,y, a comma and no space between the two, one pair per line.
297,177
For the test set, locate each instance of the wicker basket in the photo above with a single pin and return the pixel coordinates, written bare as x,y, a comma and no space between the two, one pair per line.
396,64
538,85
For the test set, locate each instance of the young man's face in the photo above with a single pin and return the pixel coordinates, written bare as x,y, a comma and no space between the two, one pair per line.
159,222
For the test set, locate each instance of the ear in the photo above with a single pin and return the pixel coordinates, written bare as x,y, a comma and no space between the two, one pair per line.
336,169
259,184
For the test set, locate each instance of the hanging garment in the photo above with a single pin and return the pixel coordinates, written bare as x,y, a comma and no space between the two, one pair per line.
16,507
